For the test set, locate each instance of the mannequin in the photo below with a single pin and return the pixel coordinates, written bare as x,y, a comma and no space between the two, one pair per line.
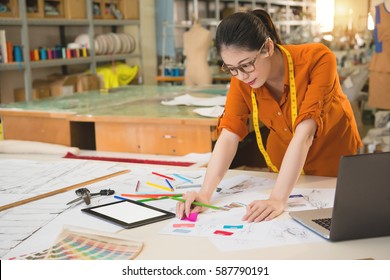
379,67
197,42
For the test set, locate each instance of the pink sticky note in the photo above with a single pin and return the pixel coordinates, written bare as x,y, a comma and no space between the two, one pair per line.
183,225
223,232
192,217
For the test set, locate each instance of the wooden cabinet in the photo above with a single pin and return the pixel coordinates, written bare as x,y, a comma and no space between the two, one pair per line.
130,120
167,137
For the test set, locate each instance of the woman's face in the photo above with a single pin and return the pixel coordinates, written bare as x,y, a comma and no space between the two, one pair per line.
250,67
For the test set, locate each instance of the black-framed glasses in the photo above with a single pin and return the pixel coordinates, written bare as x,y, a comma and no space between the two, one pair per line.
247,67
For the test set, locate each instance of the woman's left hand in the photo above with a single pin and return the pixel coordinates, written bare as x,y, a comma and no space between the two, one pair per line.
263,210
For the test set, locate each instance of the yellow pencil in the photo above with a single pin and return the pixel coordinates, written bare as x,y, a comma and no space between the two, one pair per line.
159,187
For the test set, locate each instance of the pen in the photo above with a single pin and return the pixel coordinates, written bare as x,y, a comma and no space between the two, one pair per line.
161,175
142,200
169,184
158,186
199,203
151,195
295,195
189,186
152,199
137,186
183,178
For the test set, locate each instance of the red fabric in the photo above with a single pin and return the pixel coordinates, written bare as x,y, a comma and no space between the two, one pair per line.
131,160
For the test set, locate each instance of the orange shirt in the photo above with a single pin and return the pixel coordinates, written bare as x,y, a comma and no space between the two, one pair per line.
319,97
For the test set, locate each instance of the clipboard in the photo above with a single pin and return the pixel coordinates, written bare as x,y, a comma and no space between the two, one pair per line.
129,213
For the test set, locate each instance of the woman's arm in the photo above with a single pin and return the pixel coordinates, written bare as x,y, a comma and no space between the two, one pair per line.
292,165
222,156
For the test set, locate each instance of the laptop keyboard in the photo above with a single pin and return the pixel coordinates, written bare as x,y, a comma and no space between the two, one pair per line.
324,222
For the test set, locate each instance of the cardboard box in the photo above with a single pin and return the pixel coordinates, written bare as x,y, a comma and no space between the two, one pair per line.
97,7
62,85
379,90
54,9
106,11
35,9
129,9
12,9
88,82
37,93
75,9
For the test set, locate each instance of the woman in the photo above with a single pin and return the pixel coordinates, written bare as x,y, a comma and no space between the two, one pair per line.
295,91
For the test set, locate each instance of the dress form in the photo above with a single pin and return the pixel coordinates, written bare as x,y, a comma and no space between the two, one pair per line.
197,42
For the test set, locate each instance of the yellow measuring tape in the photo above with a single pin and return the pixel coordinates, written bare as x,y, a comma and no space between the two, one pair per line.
294,110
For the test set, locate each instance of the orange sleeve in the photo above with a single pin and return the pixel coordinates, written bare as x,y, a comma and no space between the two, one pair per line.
236,114
321,88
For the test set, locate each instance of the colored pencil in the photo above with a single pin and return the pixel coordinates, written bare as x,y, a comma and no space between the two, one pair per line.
152,199
183,178
169,184
151,195
158,186
188,186
164,176
199,203
143,200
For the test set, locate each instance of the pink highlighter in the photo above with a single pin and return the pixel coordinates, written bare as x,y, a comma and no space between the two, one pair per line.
192,217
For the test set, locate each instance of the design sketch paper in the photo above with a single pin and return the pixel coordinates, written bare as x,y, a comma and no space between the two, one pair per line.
243,236
306,199
280,231
243,183
21,179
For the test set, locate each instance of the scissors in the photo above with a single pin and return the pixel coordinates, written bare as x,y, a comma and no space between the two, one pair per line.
86,195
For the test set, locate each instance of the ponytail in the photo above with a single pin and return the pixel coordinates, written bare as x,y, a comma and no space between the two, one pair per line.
269,25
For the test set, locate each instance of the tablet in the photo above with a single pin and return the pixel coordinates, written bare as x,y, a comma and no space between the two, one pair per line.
129,213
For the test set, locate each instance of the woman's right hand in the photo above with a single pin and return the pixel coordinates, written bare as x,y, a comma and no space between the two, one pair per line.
183,209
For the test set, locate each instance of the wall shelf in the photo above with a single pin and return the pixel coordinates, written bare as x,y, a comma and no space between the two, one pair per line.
25,23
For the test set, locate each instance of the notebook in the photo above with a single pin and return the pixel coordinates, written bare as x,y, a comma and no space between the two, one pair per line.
361,206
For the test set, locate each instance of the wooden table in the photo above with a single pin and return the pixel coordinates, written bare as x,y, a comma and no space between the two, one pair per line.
130,119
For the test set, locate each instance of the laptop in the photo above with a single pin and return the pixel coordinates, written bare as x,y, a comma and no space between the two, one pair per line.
361,206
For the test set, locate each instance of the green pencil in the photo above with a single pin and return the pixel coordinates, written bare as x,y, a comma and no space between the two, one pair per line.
200,204
156,198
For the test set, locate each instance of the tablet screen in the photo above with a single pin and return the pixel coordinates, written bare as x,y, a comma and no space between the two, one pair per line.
129,213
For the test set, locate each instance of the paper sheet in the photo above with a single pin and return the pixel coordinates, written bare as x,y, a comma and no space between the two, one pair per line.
189,100
211,112
228,232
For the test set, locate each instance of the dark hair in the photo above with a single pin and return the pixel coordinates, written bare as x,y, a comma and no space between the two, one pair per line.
246,30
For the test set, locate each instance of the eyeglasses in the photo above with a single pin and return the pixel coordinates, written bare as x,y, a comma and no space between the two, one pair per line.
247,67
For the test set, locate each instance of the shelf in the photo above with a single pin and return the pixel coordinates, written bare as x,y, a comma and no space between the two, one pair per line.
107,22
10,21
60,62
72,22
57,22
293,22
12,66
110,57
26,23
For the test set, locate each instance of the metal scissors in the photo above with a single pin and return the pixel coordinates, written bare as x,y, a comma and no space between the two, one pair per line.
86,195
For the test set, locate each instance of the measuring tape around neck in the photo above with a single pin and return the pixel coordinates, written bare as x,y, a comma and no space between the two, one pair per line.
294,110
